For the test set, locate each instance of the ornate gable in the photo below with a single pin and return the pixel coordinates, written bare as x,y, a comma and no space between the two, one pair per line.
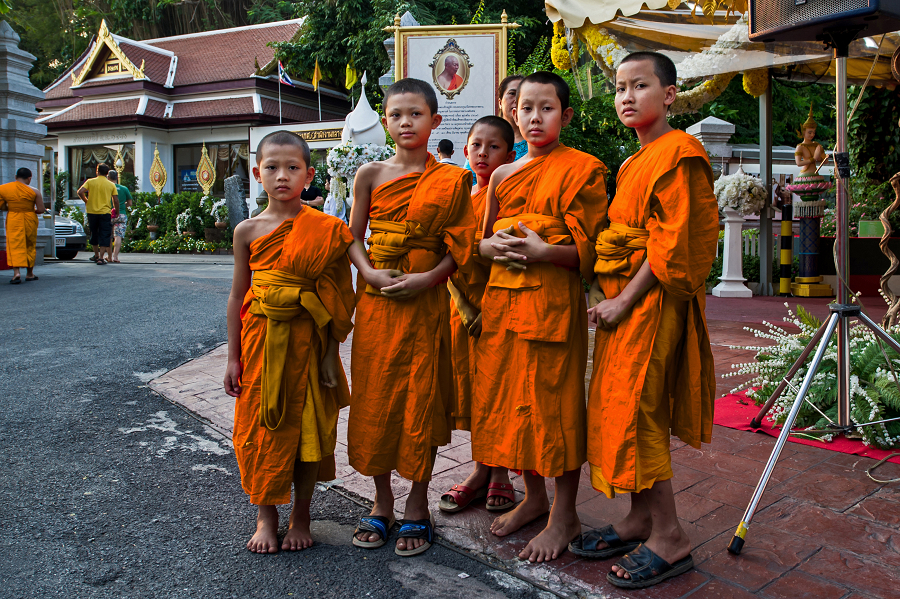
107,59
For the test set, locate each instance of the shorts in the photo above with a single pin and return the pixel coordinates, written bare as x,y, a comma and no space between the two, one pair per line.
119,224
101,229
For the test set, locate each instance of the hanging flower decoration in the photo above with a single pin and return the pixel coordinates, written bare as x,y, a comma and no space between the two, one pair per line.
559,52
690,101
756,82
740,191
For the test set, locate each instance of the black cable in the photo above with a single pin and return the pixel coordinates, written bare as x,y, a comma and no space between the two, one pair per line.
805,84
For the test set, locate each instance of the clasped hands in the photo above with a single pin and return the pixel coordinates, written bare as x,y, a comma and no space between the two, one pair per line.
604,313
396,284
515,252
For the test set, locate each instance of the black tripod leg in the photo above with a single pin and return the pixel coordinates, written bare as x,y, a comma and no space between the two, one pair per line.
737,542
757,422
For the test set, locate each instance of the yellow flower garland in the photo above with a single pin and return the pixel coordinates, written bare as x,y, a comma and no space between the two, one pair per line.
559,53
690,101
756,82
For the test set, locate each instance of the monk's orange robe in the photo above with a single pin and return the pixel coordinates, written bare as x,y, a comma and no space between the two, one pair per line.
457,81
528,412
21,224
654,372
303,292
402,383
463,345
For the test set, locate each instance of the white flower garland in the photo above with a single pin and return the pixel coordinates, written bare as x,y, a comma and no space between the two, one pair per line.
740,191
344,160
219,211
718,58
183,220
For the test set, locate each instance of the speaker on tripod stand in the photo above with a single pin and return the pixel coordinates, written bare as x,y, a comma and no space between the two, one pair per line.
836,23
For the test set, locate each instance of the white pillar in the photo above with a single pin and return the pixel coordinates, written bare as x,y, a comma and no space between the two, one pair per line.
732,279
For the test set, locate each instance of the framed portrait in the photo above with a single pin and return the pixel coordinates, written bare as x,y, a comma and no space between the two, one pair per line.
464,64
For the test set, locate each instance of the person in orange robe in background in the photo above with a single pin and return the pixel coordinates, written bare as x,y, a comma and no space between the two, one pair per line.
653,366
284,328
490,145
420,215
22,204
528,412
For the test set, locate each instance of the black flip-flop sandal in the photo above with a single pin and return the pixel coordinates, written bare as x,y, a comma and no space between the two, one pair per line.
377,524
100,262
646,569
586,544
416,529
15,281
34,278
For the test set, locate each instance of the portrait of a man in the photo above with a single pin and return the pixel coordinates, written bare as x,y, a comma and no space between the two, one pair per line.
450,69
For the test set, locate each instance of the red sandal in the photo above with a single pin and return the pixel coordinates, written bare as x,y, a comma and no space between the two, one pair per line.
459,497
501,490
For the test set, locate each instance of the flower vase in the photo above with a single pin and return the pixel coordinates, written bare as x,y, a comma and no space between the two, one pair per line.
221,225
732,279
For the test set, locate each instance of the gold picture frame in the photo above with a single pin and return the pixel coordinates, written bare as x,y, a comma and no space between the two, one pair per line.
438,67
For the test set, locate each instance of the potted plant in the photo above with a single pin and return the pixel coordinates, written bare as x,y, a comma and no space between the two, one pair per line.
219,212
185,223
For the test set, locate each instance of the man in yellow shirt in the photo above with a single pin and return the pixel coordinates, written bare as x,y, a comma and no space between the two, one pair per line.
100,197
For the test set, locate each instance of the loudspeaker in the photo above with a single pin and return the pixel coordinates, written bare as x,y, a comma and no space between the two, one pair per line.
810,20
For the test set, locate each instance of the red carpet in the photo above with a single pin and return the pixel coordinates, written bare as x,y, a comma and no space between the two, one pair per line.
736,411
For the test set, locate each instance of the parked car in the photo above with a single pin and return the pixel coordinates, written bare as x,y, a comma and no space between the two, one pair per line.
70,238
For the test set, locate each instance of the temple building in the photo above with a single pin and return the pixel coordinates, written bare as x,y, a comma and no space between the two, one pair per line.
123,99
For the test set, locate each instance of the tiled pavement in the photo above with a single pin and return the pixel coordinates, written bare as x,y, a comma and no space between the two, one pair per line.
824,530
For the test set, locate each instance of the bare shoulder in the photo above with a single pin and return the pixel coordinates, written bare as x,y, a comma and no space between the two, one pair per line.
251,229
504,171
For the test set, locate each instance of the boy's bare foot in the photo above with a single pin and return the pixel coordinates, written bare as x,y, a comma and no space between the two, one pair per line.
298,536
553,540
266,538
673,546
522,514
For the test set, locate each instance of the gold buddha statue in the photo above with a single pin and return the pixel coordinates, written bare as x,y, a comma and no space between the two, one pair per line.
809,153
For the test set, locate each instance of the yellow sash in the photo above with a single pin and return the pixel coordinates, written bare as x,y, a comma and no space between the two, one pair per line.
391,240
552,230
281,298
615,246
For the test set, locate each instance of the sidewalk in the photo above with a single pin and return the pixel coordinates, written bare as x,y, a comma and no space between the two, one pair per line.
824,529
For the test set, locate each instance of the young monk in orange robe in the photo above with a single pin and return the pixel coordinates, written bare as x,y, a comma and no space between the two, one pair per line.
528,412
490,145
653,366
290,306
420,215
22,203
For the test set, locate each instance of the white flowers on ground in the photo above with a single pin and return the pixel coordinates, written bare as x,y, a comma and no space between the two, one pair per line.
740,191
874,394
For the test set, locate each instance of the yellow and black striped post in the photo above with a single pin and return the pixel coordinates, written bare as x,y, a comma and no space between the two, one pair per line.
787,249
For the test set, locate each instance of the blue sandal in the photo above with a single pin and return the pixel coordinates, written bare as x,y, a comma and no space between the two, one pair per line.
647,569
377,524
586,544
416,529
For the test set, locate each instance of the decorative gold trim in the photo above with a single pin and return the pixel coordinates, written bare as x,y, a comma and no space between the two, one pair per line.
401,34
206,172
451,46
119,163
105,40
157,172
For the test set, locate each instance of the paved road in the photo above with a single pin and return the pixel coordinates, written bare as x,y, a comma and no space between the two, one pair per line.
108,490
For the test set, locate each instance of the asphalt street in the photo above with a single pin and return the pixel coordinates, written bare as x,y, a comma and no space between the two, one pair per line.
109,490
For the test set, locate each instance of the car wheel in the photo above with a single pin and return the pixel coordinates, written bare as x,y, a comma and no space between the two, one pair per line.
66,254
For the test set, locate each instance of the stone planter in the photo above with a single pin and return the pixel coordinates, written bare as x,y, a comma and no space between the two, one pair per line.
153,228
732,279
220,225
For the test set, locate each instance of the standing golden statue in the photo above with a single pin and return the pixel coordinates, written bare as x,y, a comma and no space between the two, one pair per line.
809,153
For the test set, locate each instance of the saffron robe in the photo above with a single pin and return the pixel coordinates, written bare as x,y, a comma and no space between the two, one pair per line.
528,412
463,345
654,371
21,224
401,403
312,246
